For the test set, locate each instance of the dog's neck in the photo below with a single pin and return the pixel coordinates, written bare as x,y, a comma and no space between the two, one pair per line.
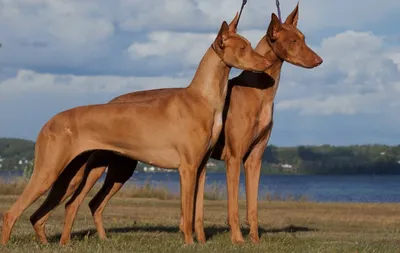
274,71
211,78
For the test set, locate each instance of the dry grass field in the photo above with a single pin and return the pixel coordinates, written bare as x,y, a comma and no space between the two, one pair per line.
141,223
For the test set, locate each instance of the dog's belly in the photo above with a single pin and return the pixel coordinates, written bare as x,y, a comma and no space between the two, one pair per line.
160,153
167,158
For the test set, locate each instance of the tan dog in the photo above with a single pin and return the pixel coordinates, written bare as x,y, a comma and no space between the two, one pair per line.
177,129
251,115
68,182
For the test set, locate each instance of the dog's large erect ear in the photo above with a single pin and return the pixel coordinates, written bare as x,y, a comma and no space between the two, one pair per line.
222,36
274,28
293,18
233,24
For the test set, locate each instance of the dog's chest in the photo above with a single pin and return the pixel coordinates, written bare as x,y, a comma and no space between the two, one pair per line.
216,128
264,121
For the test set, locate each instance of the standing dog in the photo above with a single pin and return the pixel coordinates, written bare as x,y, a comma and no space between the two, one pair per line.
177,129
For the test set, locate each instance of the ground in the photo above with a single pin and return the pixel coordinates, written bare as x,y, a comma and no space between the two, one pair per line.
151,225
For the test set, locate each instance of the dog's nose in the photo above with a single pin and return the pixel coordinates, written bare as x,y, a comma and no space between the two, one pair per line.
318,61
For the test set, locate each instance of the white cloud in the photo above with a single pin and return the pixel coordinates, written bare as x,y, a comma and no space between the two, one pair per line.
204,14
395,57
357,76
186,48
54,21
52,34
86,35
343,104
30,82
181,47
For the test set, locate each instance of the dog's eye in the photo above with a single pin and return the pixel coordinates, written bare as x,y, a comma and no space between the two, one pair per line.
293,41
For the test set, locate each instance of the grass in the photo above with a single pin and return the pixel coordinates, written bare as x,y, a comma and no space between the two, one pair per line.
151,225
13,187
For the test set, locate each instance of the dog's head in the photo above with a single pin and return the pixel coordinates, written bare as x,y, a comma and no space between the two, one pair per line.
236,51
288,43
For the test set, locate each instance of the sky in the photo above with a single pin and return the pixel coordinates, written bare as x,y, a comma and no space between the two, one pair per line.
59,54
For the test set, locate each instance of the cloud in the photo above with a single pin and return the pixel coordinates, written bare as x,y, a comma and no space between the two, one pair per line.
185,49
92,37
30,82
64,22
357,76
342,104
395,57
47,34
315,15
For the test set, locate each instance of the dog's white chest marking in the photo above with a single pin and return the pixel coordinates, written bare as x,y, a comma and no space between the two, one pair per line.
216,129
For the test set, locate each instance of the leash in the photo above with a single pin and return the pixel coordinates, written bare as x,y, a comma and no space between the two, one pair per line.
244,3
279,10
240,13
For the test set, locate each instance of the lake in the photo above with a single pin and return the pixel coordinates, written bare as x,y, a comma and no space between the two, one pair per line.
358,188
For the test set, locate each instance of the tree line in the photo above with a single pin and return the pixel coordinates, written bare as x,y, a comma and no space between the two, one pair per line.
16,154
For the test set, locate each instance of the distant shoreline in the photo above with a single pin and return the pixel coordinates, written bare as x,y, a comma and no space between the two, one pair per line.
368,159
313,188
20,172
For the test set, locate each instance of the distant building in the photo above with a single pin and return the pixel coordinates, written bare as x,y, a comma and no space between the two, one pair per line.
156,169
23,161
149,169
211,164
288,168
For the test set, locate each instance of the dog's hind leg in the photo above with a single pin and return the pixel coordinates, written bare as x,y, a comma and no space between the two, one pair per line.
36,187
95,167
46,171
119,171
66,184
